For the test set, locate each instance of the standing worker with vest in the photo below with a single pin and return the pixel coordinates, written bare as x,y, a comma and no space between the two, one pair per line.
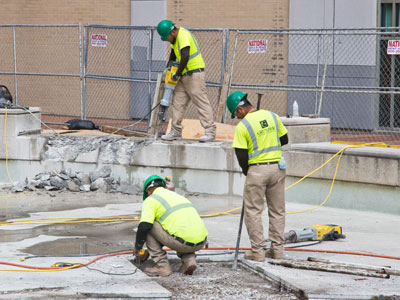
168,219
257,142
191,84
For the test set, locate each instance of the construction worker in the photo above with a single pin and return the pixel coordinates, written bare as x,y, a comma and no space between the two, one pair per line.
191,84
168,219
257,142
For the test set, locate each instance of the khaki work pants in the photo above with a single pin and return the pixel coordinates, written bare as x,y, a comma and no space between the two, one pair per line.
268,181
158,237
192,87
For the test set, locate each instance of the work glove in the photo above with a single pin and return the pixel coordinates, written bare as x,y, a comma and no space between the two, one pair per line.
175,77
165,71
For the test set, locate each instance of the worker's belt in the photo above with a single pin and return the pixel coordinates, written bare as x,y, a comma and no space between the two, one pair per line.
194,71
188,243
265,163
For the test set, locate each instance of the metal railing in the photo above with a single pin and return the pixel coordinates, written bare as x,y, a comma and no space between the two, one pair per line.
108,73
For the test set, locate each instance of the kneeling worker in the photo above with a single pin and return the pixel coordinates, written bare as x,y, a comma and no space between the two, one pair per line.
168,219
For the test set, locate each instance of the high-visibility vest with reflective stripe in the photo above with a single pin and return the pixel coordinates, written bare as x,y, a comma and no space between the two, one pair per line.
262,134
176,215
184,39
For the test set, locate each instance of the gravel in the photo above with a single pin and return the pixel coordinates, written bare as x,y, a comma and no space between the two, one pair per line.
218,281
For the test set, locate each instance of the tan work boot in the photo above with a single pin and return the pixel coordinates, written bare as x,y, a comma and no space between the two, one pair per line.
188,268
250,255
171,136
208,137
158,271
275,254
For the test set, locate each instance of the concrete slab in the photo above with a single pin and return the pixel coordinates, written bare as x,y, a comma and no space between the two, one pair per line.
304,121
20,121
89,282
327,147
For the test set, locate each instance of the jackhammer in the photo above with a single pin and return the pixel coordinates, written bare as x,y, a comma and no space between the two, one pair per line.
169,87
316,232
142,256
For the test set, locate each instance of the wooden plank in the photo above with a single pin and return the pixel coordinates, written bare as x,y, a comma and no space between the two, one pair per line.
379,269
324,267
156,101
115,130
192,130
223,96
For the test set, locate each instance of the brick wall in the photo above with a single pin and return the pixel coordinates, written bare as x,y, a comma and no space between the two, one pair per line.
111,12
267,68
233,13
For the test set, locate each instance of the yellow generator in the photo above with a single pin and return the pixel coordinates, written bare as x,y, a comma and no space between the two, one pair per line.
316,232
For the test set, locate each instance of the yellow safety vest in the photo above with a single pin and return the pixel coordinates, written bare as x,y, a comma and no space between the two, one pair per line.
185,39
259,132
176,215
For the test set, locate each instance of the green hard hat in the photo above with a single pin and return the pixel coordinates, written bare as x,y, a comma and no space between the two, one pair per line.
164,28
150,180
233,100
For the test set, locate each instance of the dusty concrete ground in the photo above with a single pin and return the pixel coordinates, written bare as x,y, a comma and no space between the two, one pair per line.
210,281
366,232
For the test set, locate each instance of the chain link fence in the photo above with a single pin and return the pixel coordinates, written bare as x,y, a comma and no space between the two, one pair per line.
108,74
121,71
41,65
350,76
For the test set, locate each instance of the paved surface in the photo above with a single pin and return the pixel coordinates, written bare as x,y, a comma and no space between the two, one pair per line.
366,232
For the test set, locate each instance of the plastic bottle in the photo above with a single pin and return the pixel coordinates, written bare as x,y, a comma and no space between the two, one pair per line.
295,109
282,163
170,185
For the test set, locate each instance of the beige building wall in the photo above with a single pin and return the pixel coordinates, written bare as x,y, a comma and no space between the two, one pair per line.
111,12
233,13
268,68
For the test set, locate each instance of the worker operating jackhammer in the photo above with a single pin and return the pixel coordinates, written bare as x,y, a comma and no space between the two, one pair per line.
168,219
257,143
191,81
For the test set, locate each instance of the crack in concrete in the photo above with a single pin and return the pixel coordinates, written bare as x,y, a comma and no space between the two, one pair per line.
94,149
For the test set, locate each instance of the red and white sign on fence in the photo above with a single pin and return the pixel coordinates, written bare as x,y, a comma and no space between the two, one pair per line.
393,47
99,40
257,46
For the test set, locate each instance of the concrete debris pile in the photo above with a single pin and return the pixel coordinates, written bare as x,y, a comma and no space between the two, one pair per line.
99,180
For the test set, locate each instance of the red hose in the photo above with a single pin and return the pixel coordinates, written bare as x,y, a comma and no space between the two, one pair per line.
210,248
316,250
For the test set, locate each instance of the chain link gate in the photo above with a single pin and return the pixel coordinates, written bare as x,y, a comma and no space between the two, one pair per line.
121,73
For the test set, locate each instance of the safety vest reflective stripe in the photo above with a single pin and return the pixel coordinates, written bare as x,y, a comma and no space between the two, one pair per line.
162,201
169,209
197,47
254,139
173,209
